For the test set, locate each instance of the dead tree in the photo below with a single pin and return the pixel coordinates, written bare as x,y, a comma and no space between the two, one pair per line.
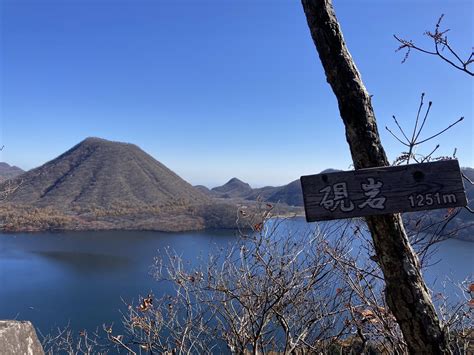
405,292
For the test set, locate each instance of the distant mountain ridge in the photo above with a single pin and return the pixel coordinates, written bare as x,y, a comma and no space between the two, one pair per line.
290,194
461,225
9,171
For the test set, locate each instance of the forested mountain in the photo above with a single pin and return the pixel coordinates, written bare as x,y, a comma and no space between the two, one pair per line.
99,184
102,173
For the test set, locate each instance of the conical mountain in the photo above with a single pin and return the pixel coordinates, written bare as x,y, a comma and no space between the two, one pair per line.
98,172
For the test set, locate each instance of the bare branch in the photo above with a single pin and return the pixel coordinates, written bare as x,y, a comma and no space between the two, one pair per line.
439,38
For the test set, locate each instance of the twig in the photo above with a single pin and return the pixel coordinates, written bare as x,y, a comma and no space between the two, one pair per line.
439,37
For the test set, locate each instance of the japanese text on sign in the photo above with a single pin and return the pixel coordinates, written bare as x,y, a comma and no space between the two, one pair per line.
336,196
383,190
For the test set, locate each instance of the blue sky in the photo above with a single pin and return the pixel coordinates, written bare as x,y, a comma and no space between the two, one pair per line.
216,89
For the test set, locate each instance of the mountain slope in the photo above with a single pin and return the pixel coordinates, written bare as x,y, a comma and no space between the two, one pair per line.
102,173
9,172
206,191
291,194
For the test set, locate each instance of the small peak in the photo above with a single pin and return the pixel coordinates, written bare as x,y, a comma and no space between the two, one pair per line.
235,180
237,183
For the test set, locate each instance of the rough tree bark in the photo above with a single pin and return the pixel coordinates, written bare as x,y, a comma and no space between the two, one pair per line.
406,293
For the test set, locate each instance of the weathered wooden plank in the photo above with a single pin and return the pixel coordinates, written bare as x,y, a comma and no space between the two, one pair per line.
374,191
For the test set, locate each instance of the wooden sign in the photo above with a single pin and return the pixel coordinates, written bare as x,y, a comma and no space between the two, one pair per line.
374,191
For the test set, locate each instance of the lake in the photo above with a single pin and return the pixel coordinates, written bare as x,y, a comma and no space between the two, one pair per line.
82,278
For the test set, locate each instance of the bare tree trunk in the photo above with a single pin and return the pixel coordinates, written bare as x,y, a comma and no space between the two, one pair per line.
406,292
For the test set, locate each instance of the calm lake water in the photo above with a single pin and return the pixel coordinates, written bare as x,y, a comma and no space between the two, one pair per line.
81,278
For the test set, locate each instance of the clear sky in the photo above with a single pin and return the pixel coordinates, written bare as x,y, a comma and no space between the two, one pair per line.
223,88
